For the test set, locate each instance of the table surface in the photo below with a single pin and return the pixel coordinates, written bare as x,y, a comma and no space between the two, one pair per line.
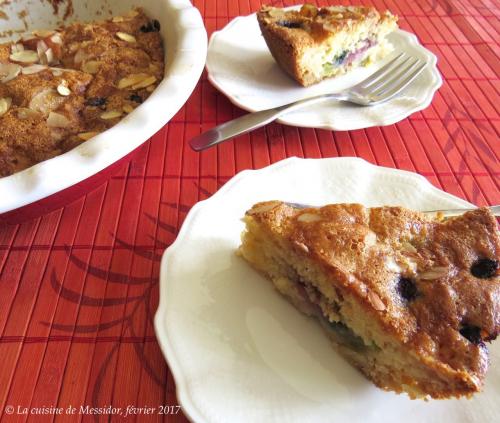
79,286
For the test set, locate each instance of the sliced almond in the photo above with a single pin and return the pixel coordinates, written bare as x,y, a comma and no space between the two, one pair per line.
132,14
46,101
434,273
112,114
126,37
57,120
92,67
56,38
408,248
63,90
132,79
24,56
309,217
9,71
118,19
41,47
80,56
150,89
263,208
14,48
376,302
32,69
43,33
5,105
144,83
25,113
128,108
47,57
85,136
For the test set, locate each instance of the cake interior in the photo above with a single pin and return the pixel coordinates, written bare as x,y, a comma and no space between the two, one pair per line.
343,50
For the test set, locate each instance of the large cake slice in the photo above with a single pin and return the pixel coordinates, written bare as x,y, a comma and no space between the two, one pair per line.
408,299
313,44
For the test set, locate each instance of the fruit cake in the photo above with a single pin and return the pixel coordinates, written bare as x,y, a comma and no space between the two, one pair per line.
59,88
312,44
408,299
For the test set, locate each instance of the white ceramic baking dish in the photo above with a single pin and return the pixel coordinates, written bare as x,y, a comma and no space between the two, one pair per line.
185,41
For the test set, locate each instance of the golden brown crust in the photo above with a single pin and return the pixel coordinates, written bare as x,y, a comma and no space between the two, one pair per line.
89,61
417,278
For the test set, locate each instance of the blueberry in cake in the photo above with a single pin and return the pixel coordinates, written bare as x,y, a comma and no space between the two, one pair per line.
408,299
313,44
59,88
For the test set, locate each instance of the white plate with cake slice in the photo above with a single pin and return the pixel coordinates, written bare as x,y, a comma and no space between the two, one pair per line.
240,65
240,352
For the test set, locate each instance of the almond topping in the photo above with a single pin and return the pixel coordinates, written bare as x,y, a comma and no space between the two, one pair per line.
5,105
56,38
9,71
132,79
25,113
132,14
16,47
262,208
128,108
85,136
126,37
145,83
309,217
47,57
434,273
118,19
150,89
24,56
41,47
92,66
80,56
112,114
409,248
63,90
377,303
41,33
56,120
30,70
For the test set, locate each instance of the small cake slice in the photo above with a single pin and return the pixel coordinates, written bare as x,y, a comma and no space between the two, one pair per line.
313,44
408,299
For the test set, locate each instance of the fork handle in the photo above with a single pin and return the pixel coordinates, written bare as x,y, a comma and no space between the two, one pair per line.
253,121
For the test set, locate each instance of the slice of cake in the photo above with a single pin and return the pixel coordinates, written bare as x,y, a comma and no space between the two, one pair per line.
313,44
408,299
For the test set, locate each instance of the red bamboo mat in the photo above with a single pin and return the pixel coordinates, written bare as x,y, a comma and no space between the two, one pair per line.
79,286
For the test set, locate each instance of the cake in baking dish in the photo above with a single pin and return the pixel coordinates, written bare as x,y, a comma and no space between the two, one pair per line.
312,44
61,87
408,299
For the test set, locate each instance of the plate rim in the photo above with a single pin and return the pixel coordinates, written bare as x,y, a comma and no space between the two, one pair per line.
91,157
187,403
437,82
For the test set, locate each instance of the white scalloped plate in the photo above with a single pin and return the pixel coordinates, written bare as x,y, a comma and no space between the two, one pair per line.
240,65
185,41
239,352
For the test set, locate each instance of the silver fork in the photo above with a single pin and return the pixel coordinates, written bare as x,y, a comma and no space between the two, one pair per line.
377,88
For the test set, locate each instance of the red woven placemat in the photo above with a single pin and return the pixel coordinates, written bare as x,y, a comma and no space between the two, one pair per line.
79,286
